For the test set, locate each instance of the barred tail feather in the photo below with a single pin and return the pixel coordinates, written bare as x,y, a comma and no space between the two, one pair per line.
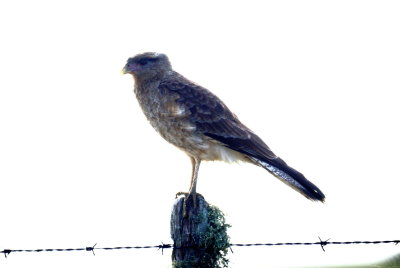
291,177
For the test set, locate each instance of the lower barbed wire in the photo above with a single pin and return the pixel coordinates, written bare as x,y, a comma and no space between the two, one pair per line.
163,246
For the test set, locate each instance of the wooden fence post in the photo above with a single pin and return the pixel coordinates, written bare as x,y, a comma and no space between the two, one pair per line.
200,236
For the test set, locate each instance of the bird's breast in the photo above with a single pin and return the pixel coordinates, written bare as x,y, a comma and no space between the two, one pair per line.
170,119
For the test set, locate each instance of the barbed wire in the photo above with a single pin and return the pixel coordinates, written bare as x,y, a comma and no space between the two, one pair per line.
163,246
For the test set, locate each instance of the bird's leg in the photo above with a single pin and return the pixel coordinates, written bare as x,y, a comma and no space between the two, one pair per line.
193,183
195,172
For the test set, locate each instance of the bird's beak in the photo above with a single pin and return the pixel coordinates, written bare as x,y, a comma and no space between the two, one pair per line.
130,68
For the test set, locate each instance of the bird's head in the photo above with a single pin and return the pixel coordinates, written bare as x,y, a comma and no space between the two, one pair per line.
147,65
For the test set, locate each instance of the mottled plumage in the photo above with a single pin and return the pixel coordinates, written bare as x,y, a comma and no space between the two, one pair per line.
198,122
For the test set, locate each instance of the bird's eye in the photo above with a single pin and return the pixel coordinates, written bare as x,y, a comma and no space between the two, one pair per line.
144,61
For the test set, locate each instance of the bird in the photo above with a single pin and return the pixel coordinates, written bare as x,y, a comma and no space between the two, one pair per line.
196,121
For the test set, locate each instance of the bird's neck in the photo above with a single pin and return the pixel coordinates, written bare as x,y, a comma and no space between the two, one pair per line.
142,83
145,87
151,78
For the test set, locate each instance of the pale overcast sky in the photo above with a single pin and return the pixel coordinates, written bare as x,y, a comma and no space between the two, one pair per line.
79,163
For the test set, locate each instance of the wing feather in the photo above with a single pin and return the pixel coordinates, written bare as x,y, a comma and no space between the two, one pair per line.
213,118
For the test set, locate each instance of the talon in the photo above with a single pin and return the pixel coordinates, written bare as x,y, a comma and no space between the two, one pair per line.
186,199
181,193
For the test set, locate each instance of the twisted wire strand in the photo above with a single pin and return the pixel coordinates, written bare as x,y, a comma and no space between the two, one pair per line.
163,246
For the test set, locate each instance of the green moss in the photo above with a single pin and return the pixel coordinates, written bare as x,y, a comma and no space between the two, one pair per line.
215,240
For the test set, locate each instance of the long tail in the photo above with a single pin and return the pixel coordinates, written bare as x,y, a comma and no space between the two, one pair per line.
291,177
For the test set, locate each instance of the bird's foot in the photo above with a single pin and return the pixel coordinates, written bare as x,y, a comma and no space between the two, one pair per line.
181,193
186,200
187,195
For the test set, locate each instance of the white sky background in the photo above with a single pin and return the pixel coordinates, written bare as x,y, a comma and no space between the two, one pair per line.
79,164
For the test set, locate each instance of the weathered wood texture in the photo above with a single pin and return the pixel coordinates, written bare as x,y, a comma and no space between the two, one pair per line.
187,230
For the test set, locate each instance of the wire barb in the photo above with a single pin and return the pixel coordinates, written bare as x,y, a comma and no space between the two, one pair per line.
6,252
323,243
162,246
91,249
